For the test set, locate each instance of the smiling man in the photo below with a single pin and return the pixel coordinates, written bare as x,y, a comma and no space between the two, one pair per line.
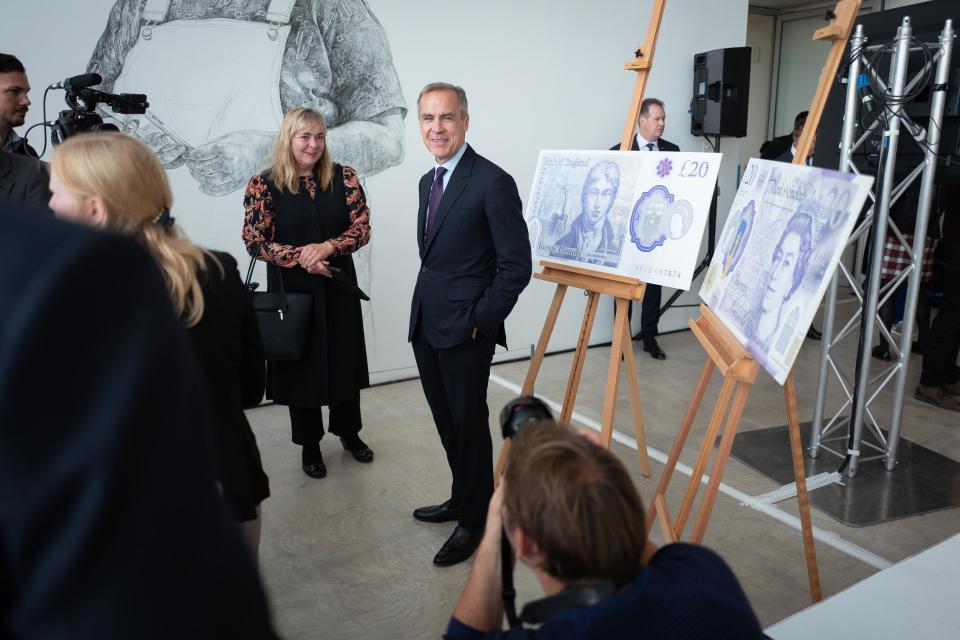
475,261
14,104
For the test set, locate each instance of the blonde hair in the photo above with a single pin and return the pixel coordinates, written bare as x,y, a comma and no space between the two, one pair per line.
129,179
283,168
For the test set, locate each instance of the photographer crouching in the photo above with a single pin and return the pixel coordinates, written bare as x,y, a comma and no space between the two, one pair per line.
573,516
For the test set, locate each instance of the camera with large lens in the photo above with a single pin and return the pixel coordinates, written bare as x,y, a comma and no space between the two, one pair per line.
522,412
82,117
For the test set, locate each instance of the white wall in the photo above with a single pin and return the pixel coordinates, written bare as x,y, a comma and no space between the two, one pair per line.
760,31
539,74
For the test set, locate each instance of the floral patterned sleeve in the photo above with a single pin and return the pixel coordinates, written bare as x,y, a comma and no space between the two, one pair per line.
358,233
258,227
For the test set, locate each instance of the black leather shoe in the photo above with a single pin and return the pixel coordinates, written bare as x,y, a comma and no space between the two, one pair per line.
881,351
315,469
651,347
813,334
437,513
458,547
361,452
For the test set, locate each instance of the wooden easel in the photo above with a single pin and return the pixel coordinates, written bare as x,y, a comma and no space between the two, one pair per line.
595,283
740,370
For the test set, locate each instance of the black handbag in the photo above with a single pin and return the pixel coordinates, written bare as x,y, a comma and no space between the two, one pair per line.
284,318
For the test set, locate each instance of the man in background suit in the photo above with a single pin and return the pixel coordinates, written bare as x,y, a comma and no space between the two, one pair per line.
23,180
650,125
788,154
111,525
773,149
475,261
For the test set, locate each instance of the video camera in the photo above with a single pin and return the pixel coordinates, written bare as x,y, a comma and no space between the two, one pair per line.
81,117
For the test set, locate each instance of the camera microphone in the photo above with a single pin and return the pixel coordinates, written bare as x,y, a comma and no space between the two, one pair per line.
76,83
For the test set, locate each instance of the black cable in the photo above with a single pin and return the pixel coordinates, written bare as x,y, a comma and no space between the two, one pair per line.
862,342
42,123
45,138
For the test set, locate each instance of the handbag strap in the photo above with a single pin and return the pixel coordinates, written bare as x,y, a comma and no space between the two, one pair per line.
247,283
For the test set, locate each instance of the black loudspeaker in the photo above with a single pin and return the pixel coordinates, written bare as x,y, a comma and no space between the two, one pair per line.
721,92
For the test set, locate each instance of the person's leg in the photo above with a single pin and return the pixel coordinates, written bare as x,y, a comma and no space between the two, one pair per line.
250,530
466,369
431,379
923,319
940,352
649,321
345,422
650,312
882,350
307,426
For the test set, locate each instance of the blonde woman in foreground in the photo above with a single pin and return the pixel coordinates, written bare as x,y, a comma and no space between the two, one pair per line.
114,182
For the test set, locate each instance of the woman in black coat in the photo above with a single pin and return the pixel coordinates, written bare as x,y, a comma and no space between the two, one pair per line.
115,182
307,216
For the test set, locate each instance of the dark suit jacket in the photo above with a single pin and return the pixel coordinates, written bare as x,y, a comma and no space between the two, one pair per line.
23,180
662,145
110,522
773,149
476,260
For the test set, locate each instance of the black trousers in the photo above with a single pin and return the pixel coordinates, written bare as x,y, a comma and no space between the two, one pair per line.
940,352
649,312
307,422
455,383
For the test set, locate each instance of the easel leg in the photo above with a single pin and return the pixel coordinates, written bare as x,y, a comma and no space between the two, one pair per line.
715,419
631,363
682,434
720,462
663,517
803,498
533,371
579,357
541,350
613,372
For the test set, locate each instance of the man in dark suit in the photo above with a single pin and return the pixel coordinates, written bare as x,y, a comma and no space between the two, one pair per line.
23,180
475,261
650,123
111,525
788,154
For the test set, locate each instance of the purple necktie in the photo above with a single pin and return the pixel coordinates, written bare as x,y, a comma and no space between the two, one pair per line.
436,193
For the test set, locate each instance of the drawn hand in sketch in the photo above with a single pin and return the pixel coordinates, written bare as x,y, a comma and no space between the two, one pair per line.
788,266
212,68
216,165
168,149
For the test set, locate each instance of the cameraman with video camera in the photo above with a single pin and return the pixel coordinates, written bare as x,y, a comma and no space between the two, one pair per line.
572,514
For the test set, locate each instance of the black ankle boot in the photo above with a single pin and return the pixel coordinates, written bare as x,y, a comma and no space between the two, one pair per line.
357,447
312,461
